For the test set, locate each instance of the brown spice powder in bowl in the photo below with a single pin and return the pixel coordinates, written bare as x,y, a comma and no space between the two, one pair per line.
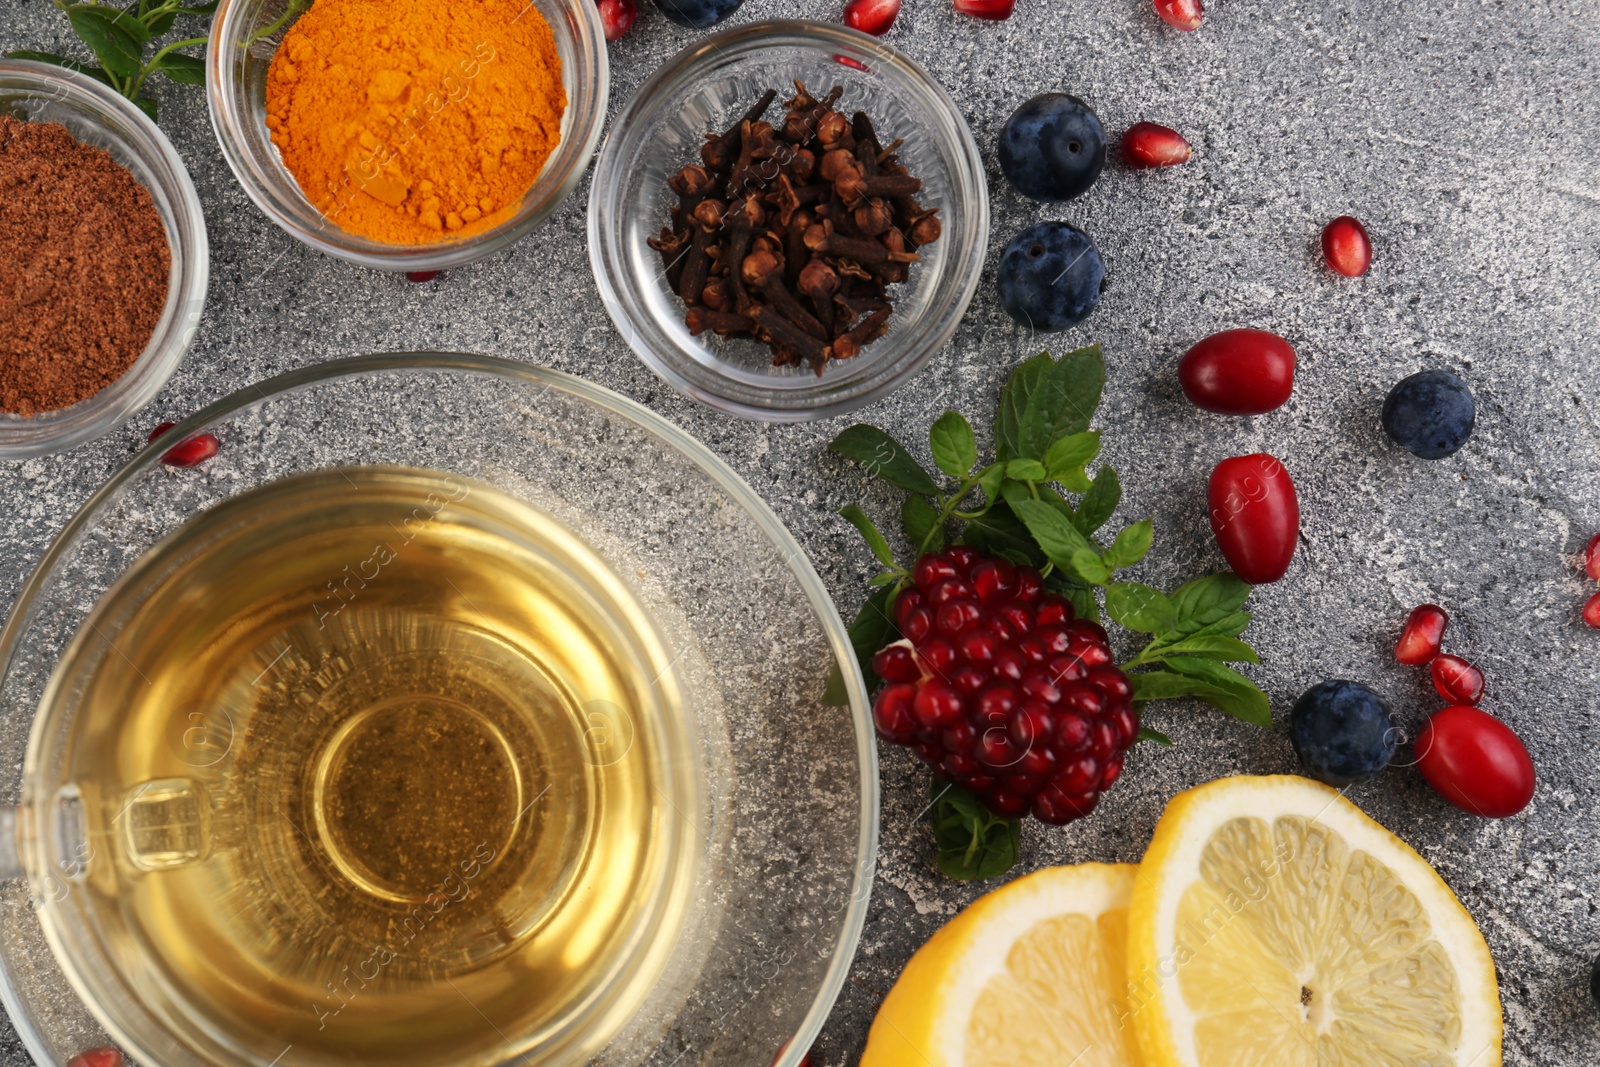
84,268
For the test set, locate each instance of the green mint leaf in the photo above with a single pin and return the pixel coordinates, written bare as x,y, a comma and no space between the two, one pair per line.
1139,607
97,73
1211,647
1233,692
875,540
1208,600
886,578
1090,567
1026,470
146,104
990,481
1073,481
1147,734
116,38
885,458
161,24
1071,452
1227,626
1014,402
871,629
998,532
200,9
1063,401
1131,545
185,69
1166,685
1080,596
974,843
1100,501
955,450
920,521
1054,533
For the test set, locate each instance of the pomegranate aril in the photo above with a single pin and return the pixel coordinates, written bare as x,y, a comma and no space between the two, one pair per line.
1148,145
1053,611
1072,734
1591,611
978,647
929,752
930,570
1036,685
996,750
97,1057
1055,639
950,589
1029,584
1112,683
995,581
1079,776
1031,724
997,703
871,16
961,767
891,713
994,10
961,557
909,601
896,663
1021,784
1422,635
1009,664
1181,14
961,737
1112,771
957,616
938,655
1032,649
1083,698
1591,558
1064,669
1091,630
1089,653
1019,618
190,453
1346,246
1126,723
982,784
420,276
937,704
918,625
1457,681
1103,740
1038,763
1009,805
969,679
617,16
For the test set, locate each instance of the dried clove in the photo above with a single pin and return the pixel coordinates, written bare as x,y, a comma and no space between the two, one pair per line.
792,231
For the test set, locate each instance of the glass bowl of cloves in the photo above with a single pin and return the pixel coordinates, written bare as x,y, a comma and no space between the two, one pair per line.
788,220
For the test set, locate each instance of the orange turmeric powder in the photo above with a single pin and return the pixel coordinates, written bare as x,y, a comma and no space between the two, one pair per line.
415,121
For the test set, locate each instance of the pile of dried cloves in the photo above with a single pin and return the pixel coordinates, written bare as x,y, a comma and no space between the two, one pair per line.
794,234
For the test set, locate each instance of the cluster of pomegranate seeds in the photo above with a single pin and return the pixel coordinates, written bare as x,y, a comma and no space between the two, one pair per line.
1422,636
1346,246
994,10
1457,681
1147,145
1002,690
1183,15
871,16
617,17
97,1057
1420,644
190,453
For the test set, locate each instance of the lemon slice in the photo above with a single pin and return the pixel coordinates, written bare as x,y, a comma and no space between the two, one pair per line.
1031,975
1275,925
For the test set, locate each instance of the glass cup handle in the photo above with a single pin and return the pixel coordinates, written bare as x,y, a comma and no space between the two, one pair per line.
10,861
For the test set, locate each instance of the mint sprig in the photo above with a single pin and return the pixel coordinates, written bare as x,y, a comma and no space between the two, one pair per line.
1020,507
119,37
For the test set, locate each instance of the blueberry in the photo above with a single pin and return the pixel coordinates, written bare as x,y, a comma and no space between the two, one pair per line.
1052,147
1051,276
1429,414
698,14
1342,731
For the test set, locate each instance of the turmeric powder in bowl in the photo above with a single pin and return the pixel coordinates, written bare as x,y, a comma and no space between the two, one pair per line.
416,121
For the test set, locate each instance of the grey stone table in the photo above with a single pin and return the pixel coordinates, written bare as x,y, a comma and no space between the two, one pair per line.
1462,132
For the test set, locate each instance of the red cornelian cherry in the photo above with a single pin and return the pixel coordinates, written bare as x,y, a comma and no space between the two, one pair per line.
993,10
1000,689
871,16
1346,246
97,1057
1183,15
1423,633
1456,680
1591,558
1147,145
1238,372
190,453
1591,611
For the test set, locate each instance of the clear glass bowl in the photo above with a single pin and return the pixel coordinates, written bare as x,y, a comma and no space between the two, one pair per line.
704,88
245,34
96,115
790,811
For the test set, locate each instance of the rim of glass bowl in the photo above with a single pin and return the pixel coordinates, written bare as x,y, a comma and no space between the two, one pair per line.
809,397
17,620
254,160
127,133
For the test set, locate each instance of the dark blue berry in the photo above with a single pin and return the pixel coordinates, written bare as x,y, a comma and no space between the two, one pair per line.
1429,414
1052,147
1343,732
1051,276
698,14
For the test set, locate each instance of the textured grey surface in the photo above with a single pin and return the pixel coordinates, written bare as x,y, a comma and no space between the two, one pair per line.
1462,133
